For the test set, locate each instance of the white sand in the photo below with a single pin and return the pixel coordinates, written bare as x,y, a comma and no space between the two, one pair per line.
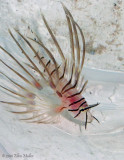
102,22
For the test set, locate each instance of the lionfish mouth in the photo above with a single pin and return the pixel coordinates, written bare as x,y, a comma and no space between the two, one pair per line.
39,72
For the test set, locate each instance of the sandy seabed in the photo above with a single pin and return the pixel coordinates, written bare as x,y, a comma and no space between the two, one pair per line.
105,72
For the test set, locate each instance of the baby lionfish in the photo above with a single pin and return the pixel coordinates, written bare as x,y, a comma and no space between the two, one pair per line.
39,73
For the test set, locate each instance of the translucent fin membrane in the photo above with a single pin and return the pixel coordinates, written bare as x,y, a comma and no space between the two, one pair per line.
39,89
38,72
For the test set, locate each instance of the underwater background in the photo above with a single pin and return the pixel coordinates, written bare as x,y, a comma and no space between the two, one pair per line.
102,22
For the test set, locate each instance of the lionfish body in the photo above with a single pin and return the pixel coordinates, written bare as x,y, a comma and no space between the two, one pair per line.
64,79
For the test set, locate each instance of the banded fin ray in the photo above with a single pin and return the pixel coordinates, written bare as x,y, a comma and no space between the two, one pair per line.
54,87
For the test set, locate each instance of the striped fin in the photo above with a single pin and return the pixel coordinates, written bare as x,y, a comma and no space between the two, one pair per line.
49,54
11,91
24,112
36,54
17,62
74,24
33,117
82,89
83,40
64,80
20,66
71,36
13,103
68,14
27,56
45,120
75,84
22,77
69,82
23,88
64,70
54,39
